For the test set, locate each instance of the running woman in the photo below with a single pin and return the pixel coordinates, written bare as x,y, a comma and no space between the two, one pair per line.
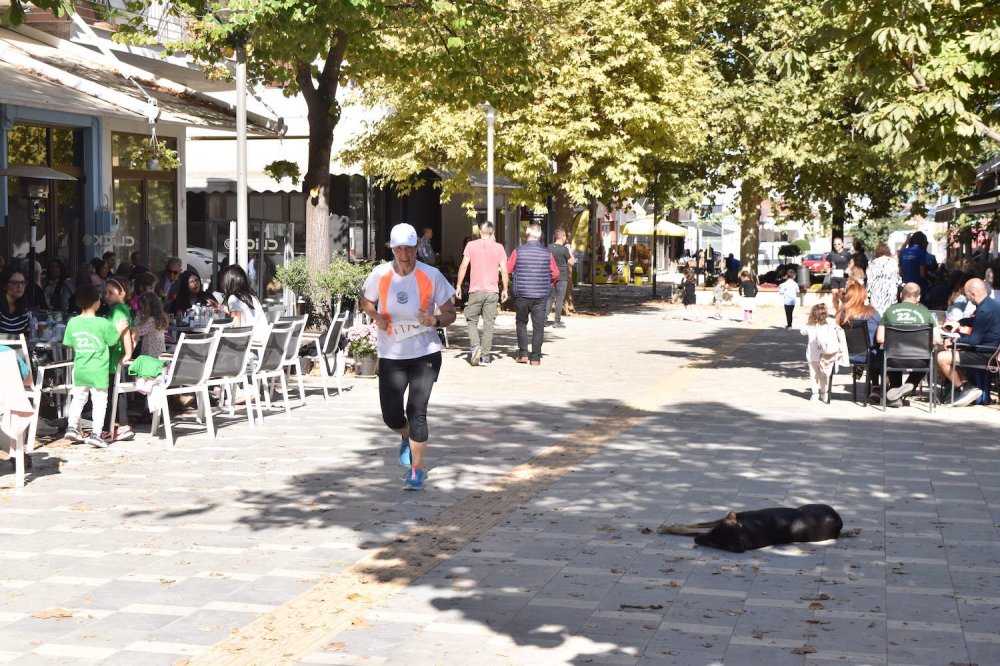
401,297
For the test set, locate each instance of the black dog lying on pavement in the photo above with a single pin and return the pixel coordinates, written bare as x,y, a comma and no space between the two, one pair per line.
749,530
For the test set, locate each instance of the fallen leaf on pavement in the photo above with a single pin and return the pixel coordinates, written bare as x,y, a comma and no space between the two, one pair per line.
816,606
53,613
805,649
636,607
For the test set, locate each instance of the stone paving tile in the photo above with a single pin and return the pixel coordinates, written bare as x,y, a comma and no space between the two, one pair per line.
245,523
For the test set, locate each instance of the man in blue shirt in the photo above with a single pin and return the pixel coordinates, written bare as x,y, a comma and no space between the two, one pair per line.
980,336
913,261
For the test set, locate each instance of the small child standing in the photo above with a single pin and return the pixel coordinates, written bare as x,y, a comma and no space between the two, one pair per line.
789,291
90,337
821,350
748,290
690,284
150,326
120,316
144,284
719,294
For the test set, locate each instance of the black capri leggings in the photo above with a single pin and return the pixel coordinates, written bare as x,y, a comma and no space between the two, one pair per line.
394,377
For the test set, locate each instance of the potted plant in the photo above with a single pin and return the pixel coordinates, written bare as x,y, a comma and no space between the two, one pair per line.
341,280
362,342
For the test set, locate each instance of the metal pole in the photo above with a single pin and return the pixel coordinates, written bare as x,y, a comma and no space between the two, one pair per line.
242,224
593,250
36,206
656,219
491,116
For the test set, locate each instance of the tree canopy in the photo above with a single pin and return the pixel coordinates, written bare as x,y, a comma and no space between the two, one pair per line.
611,86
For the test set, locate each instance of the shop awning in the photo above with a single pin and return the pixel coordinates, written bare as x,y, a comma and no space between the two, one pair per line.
645,228
95,85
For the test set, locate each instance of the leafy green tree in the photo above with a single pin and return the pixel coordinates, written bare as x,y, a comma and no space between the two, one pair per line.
15,14
615,86
784,124
926,73
874,231
313,47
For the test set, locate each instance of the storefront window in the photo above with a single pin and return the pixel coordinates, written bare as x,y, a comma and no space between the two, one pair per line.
60,225
145,200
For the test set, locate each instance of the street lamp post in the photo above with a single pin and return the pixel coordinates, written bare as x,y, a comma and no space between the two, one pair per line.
491,118
242,221
238,38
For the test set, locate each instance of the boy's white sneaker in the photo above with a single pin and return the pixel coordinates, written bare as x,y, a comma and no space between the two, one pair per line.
73,435
97,442
815,397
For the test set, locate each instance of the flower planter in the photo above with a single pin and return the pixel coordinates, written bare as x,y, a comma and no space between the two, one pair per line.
365,366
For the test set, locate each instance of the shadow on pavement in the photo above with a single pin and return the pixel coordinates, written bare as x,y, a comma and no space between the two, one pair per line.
579,567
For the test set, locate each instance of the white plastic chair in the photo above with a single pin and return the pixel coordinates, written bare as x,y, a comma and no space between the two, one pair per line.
38,389
328,349
269,367
15,409
188,373
291,360
231,367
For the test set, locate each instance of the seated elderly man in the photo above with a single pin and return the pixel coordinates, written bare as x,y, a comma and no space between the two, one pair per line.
908,311
979,337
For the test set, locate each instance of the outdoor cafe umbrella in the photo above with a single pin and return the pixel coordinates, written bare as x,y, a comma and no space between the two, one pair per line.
645,228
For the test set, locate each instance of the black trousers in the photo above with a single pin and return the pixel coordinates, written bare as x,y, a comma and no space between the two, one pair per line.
535,309
788,313
395,377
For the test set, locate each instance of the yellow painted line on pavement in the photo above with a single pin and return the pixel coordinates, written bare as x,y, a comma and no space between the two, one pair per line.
311,620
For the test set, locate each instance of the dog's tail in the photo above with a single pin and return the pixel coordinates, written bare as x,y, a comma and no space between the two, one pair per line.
688,529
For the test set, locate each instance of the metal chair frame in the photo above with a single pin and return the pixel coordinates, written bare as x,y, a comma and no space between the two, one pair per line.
901,343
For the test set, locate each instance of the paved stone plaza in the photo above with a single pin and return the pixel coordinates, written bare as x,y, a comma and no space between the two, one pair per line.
535,541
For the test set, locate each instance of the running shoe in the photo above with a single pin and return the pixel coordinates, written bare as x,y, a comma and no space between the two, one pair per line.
122,434
487,359
404,452
415,479
73,435
967,395
97,442
899,392
476,355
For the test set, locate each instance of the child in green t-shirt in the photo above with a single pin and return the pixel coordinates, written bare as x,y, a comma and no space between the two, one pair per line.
119,314
90,337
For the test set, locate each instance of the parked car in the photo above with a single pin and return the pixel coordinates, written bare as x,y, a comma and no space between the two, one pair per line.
816,263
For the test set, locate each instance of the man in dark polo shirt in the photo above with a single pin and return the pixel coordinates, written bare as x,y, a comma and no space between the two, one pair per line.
908,311
979,337
837,263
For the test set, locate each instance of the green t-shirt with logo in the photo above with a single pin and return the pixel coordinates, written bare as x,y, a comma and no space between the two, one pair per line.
117,313
91,339
907,313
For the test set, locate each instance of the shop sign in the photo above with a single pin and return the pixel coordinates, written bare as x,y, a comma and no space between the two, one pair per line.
109,240
270,244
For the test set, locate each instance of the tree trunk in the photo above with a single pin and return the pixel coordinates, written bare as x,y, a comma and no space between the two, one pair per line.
563,219
323,114
751,196
838,217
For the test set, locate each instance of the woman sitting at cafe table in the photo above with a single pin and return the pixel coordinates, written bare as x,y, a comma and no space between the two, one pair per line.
854,309
13,304
190,293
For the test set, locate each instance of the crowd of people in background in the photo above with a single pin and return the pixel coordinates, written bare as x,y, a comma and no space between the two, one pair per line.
910,289
114,312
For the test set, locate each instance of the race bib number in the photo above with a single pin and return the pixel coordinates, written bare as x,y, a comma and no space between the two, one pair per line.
406,329
838,272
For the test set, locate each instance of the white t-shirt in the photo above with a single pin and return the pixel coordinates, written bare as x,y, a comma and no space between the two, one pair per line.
250,317
401,298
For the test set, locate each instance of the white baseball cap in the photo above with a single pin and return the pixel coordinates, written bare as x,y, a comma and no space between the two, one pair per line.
403,234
